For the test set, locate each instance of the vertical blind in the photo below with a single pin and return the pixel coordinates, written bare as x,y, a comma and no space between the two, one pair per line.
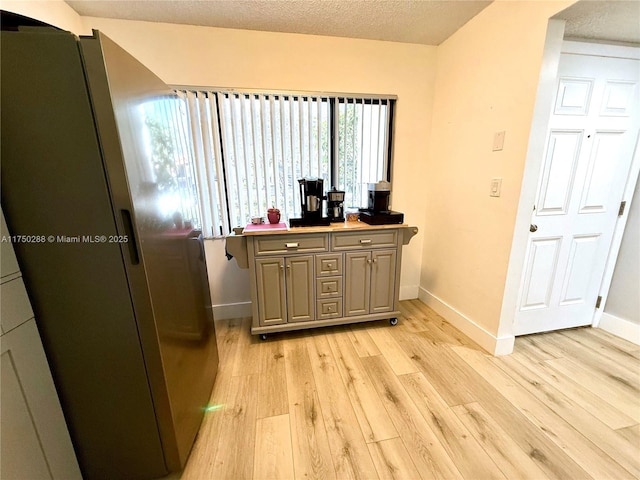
363,134
237,154
269,142
203,126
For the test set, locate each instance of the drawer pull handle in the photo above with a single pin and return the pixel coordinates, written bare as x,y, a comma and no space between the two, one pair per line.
365,241
291,245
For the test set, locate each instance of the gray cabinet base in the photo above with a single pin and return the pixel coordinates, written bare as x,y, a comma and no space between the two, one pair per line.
324,276
284,327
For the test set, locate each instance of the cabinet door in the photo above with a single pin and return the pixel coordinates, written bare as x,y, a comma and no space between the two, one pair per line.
271,291
300,289
357,283
383,275
35,441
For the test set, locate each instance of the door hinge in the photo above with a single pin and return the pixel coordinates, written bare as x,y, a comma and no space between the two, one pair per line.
621,209
598,301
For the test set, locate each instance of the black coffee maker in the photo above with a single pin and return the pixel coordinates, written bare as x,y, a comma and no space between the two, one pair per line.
311,197
378,196
377,211
335,205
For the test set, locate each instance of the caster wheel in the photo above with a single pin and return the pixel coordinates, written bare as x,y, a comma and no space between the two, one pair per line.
393,321
263,336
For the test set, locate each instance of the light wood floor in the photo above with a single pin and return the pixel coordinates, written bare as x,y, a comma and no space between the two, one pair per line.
419,400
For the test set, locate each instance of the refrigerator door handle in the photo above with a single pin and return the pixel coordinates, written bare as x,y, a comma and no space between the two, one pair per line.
130,232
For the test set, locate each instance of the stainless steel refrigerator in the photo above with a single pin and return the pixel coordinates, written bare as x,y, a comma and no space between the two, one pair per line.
120,293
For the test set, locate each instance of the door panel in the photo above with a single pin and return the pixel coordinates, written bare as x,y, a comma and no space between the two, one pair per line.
271,293
357,283
618,98
300,289
573,96
383,274
605,159
591,139
541,268
561,161
579,272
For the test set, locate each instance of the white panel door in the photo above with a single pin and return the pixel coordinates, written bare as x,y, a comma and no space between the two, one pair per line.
592,133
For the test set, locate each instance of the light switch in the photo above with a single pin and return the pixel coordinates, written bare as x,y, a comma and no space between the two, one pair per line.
496,186
498,141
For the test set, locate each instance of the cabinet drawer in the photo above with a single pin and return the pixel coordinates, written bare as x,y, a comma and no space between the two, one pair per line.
328,287
330,308
328,265
281,244
364,240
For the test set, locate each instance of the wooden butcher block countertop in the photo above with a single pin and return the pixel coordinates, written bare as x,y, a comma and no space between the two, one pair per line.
283,228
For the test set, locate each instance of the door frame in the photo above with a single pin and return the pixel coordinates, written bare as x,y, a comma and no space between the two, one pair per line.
555,44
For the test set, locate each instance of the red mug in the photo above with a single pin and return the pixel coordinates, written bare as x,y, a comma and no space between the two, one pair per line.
273,214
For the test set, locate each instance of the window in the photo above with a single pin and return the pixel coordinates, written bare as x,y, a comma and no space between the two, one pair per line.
362,145
247,150
269,142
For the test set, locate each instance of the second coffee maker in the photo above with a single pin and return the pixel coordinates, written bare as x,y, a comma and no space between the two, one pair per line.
311,199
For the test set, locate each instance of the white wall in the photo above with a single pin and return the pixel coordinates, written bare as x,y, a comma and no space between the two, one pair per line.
203,56
624,295
486,81
53,12
622,310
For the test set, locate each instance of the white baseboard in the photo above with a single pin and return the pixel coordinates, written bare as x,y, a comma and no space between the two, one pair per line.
232,310
492,344
620,327
409,292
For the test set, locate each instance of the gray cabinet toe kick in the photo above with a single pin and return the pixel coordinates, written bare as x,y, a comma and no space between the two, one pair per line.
313,277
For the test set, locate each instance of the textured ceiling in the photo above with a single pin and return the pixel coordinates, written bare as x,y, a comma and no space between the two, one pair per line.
617,21
427,22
